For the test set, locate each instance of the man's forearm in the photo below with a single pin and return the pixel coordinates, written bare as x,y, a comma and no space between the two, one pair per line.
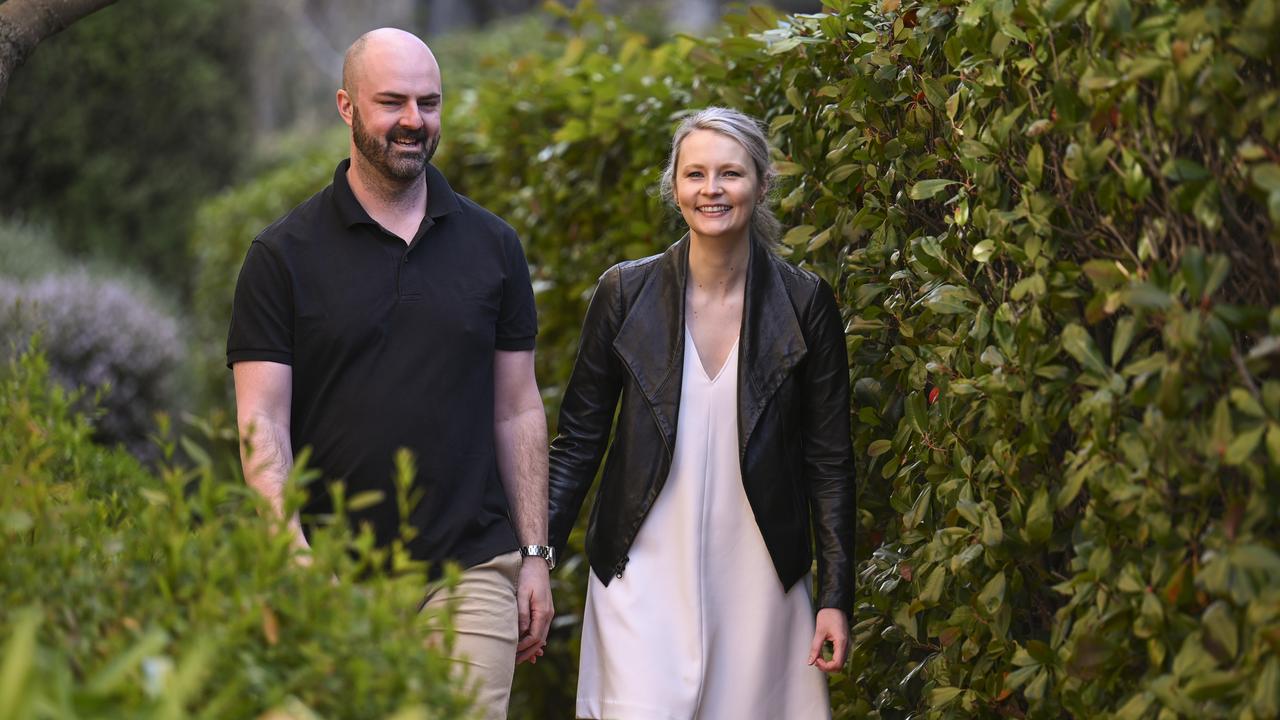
266,455
522,461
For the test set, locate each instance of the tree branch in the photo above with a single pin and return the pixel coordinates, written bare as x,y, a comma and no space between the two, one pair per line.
25,23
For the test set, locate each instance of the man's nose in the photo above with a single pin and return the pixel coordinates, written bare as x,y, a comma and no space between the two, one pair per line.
410,117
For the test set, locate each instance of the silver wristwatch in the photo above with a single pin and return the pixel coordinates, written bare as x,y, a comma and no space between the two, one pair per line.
546,552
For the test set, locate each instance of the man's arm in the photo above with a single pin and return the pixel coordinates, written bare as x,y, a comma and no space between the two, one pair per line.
264,392
520,435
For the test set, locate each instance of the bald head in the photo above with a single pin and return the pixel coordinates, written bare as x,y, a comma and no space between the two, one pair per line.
384,51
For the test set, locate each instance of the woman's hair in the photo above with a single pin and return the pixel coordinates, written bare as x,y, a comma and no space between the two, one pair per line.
747,132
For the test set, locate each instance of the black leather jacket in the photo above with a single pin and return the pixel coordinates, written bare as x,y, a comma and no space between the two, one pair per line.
793,415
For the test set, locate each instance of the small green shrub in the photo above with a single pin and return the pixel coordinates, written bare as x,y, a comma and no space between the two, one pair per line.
125,593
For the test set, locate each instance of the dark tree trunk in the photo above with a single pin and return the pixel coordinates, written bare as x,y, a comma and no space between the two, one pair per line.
24,23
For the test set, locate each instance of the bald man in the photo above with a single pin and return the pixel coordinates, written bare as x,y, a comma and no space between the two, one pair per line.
389,312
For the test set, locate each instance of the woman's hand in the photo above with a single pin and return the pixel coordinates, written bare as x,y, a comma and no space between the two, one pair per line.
833,627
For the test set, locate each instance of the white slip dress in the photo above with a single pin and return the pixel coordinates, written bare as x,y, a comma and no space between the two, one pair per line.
699,627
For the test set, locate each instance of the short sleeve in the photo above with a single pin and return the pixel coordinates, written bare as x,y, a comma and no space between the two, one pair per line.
517,317
262,312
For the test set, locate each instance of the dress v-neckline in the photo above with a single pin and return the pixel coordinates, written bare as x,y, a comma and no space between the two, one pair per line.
698,356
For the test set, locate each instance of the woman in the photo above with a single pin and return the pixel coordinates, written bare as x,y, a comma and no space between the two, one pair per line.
732,445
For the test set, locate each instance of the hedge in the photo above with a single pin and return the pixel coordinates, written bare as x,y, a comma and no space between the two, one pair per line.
159,594
1052,227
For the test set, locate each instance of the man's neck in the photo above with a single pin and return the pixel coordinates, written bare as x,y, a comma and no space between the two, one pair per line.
397,205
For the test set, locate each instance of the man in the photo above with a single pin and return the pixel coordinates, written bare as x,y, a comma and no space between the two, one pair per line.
387,312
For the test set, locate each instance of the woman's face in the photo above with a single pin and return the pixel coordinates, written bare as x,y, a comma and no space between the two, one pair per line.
716,186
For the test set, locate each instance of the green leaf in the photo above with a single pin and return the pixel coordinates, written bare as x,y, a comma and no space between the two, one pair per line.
1266,690
572,131
1079,345
879,447
919,509
1184,170
19,657
1040,518
1136,707
1105,274
926,189
1033,285
793,93
1125,327
1243,445
992,595
992,528
943,696
983,251
1246,403
931,592
1220,429
1273,443
1069,491
1267,177
798,235
1035,164
786,168
1221,628
917,412
1146,295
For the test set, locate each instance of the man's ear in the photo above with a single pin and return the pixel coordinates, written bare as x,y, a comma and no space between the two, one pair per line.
345,105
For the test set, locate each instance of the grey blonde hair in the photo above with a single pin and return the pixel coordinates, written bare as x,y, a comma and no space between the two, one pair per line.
748,133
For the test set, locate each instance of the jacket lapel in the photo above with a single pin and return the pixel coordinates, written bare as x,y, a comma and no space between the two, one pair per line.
651,340
772,343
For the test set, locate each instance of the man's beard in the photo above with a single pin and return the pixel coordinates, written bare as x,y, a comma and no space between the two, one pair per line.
383,154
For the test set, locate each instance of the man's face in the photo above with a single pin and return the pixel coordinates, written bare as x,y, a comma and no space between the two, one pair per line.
397,149
395,116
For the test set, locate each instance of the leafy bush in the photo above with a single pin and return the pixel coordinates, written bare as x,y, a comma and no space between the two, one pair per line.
1052,226
130,594
104,336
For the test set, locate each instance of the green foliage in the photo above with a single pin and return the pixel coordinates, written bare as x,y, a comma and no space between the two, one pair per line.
115,128
1051,226
125,593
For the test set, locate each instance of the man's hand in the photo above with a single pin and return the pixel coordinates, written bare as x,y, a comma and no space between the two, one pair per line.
832,626
533,601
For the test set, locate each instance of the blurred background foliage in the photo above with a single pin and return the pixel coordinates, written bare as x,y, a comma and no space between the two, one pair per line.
1052,227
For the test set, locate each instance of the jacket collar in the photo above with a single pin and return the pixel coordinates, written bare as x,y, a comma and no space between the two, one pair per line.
651,340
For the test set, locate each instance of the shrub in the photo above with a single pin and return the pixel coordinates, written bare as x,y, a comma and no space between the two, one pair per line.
104,336
130,594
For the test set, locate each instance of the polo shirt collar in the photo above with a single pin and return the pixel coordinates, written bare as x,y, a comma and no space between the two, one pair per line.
441,199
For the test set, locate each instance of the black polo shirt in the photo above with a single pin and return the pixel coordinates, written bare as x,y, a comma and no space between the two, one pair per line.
392,345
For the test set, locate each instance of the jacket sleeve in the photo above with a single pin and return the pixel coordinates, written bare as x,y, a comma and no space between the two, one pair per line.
828,449
586,410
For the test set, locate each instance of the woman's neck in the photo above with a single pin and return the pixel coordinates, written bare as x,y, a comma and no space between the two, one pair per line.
718,266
